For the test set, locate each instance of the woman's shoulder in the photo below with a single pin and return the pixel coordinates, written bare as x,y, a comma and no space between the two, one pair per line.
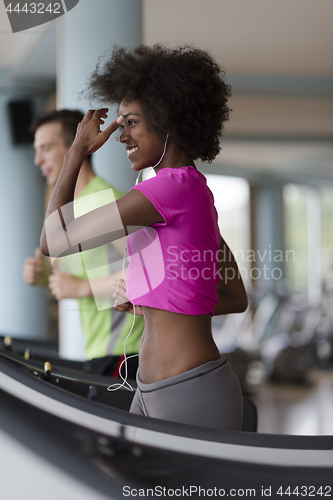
187,171
173,182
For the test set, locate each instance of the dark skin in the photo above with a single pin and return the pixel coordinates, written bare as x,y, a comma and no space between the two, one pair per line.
172,343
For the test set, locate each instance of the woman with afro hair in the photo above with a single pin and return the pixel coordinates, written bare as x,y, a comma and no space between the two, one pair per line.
172,108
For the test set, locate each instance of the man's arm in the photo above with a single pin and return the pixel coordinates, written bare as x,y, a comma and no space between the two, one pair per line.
64,285
67,286
232,297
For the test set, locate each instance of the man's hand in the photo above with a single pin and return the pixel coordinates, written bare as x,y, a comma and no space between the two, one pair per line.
122,303
35,270
67,286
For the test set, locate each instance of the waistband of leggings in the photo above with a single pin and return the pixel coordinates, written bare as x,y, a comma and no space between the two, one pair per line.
182,377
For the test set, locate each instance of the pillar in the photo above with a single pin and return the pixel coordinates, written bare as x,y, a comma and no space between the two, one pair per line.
84,34
23,308
268,234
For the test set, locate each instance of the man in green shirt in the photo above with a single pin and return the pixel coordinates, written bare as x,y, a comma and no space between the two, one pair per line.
87,275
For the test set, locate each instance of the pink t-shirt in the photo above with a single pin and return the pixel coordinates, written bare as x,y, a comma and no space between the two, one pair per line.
174,264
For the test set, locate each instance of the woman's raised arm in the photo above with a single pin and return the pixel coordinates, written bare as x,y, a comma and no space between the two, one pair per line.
62,234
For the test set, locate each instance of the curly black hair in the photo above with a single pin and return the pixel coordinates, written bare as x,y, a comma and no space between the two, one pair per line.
181,91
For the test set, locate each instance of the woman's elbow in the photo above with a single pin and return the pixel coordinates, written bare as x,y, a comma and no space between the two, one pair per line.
243,303
236,302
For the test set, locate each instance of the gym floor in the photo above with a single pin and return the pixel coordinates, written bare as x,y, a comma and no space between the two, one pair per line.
305,409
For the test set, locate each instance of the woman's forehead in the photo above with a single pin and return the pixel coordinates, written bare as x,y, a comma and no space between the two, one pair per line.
133,107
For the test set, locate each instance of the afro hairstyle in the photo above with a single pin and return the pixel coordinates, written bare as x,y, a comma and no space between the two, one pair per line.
181,91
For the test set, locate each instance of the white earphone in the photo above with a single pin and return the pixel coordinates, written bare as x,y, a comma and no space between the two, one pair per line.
159,161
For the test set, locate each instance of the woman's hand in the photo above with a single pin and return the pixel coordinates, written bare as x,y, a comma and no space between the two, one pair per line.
122,303
89,137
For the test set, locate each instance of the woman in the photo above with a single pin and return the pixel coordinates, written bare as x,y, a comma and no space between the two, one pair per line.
172,106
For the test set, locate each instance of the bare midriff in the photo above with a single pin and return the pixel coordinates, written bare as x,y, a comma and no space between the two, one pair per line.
174,343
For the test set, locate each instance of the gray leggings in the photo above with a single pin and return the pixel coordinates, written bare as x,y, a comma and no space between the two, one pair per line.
207,396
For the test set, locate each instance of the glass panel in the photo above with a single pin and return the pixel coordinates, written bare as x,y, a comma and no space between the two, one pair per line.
327,235
295,207
231,196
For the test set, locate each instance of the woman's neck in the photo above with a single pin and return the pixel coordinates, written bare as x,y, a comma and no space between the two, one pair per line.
175,157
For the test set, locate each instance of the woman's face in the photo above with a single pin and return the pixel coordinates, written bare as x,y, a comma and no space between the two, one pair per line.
144,148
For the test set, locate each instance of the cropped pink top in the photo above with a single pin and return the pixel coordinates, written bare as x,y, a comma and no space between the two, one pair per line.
174,264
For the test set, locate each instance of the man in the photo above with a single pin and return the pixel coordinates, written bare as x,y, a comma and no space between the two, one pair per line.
104,329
